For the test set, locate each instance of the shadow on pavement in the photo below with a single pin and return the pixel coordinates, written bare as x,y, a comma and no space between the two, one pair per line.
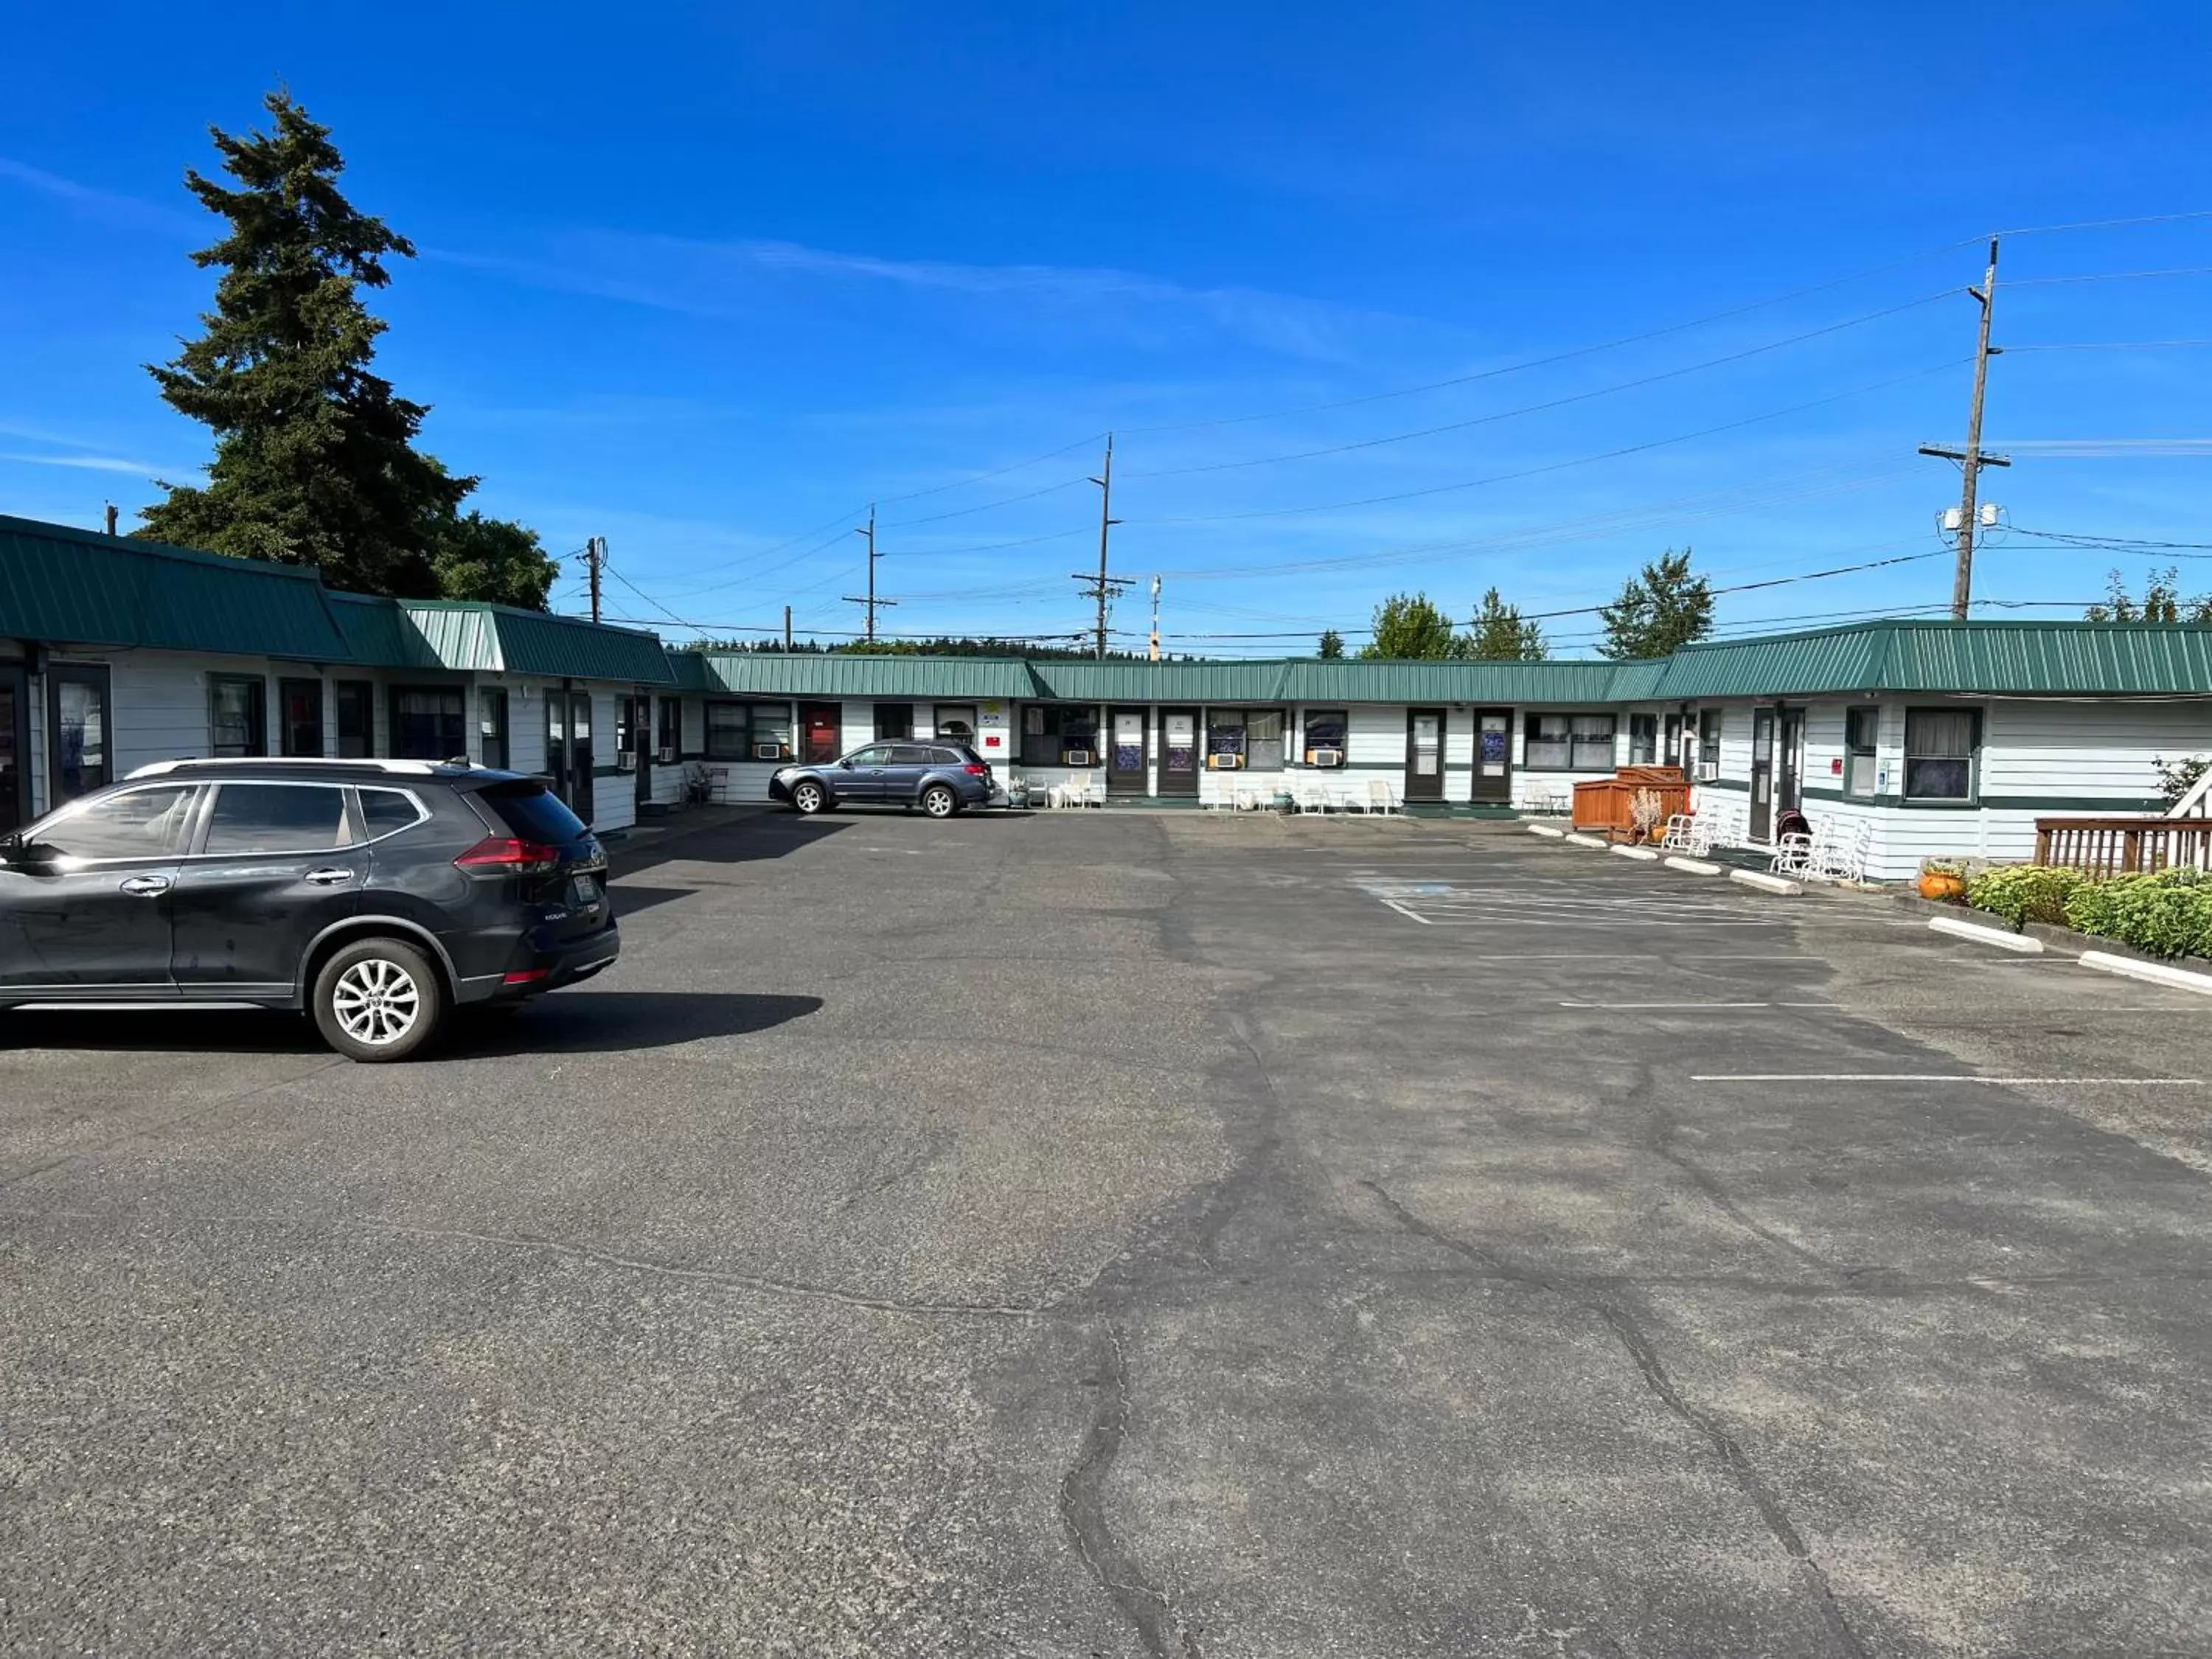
766,835
596,1022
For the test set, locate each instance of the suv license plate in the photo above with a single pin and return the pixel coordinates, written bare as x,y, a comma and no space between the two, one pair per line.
584,891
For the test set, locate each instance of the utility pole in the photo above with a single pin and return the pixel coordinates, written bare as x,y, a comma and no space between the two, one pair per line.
594,558
1104,587
111,517
870,601
1970,459
786,628
1156,619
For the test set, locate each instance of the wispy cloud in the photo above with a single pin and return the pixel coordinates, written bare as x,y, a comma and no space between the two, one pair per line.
100,463
106,205
728,279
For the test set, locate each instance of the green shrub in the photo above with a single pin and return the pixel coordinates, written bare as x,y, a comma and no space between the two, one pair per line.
2024,892
2168,913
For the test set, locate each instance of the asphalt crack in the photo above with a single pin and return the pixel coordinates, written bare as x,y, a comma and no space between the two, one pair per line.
1662,1387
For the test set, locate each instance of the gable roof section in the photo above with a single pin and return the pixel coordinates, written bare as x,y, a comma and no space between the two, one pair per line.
80,587
2020,658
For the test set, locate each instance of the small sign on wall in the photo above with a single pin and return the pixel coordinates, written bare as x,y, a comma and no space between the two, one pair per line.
991,726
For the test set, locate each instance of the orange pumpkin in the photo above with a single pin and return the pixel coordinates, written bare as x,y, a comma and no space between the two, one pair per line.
1941,884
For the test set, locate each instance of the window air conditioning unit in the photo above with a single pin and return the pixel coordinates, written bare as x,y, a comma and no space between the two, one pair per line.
666,755
626,759
1077,757
1224,762
1324,758
768,751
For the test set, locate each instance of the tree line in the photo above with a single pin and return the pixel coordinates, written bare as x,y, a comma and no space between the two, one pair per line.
1663,607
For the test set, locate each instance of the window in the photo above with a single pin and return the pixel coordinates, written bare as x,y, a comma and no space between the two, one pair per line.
735,730
276,817
238,717
491,726
1256,735
1940,746
913,753
1709,744
671,727
302,733
629,724
1859,728
428,723
1673,755
1326,729
355,702
956,721
894,719
1570,743
874,754
1642,740
76,732
139,824
384,810
1051,733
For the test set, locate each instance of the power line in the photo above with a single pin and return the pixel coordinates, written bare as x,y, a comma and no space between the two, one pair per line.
1555,403
2107,345
1558,466
2109,276
1008,501
2100,224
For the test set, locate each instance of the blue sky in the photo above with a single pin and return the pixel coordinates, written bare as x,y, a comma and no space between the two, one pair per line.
708,280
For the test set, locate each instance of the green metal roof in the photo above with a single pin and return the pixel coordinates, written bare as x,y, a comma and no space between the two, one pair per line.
1360,680
2024,658
377,631
809,674
1223,682
534,642
80,587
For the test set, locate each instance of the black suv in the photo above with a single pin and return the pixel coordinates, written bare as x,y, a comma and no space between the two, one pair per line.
376,895
939,777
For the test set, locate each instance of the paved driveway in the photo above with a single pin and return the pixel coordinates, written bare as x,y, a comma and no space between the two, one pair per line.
1120,1235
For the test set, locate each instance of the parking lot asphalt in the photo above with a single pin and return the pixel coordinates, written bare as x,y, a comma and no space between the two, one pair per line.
1132,1234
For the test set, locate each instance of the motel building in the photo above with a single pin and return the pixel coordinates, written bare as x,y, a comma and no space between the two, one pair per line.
1946,740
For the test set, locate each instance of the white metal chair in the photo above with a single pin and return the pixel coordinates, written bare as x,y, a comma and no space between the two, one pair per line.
1839,850
1383,797
1310,796
1246,798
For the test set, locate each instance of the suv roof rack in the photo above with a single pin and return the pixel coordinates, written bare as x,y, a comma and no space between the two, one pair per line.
412,768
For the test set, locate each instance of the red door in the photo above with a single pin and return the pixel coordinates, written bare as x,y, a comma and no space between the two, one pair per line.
820,737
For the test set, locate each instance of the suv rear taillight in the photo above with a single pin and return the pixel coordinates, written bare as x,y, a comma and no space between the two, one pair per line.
979,771
506,853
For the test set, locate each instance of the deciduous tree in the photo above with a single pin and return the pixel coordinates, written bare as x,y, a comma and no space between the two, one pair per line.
1660,609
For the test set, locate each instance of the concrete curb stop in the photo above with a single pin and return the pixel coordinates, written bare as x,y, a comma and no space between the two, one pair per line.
1549,831
2181,979
1643,853
1695,866
2001,937
1765,883
1581,839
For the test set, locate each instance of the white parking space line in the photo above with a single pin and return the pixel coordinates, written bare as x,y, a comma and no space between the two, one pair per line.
1945,1077
1648,1006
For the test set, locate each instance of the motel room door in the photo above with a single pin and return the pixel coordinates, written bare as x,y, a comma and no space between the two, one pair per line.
1424,754
1127,751
1789,786
1762,774
1179,752
15,744
1493,756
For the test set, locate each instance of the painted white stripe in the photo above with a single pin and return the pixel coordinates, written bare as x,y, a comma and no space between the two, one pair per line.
1414,915
1943,1077
1701,1005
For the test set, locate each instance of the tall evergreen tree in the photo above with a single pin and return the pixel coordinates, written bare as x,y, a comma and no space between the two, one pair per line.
1500,635
1332,645
1660,608
314,459
1410,626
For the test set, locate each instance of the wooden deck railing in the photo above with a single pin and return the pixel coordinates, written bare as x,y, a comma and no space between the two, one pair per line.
2119,847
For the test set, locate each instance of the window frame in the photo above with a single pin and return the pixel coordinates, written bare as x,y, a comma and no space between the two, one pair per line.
750,709
77,805
1972,757
285,686
393,738
256,687
1862,759
1052,719
494,707
203,819
668,730
96,677
1307,746
360,813
1643,745
1710,724
1568,738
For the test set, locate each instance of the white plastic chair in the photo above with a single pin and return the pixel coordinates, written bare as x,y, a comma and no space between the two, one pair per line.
1310,796
1383,796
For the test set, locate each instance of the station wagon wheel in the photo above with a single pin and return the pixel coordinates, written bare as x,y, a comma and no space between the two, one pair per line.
378,1000
939,801
808,796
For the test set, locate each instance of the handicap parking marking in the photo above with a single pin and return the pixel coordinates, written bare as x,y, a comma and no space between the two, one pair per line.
1434,903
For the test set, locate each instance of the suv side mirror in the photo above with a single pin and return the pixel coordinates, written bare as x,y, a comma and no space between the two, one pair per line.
17,853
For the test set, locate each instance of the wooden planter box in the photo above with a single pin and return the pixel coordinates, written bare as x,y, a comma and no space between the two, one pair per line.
1605,806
